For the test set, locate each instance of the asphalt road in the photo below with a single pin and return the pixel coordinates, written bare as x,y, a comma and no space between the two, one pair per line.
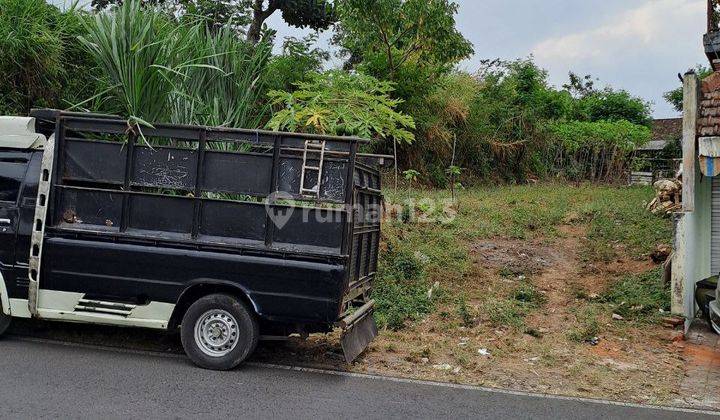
46,379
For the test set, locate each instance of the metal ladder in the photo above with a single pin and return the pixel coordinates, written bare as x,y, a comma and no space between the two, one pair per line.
312,147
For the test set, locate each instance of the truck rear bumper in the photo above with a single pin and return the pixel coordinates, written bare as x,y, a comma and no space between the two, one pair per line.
359,330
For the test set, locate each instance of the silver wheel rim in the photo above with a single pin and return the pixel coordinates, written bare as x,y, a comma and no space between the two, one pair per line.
216,333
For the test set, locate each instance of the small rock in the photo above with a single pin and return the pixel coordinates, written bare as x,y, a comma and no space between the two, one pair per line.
443,366
484,352
424,360
457,370
594,341
617,317
532,359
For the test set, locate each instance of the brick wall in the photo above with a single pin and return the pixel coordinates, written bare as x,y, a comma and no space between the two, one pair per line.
709,121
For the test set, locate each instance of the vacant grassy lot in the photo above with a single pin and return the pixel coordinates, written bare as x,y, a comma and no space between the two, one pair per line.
608,223
519,291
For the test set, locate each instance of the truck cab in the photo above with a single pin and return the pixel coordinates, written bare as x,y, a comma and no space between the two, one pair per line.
21,150
225,234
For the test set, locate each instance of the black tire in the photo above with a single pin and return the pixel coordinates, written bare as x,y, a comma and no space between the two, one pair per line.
218,314
4,321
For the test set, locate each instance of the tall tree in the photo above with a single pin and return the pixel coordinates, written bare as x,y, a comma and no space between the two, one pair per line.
252,14
316,14
390,38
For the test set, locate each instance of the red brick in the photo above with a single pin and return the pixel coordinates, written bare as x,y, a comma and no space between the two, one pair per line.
711,83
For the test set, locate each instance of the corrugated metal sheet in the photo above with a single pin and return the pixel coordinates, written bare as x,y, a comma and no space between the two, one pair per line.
715,233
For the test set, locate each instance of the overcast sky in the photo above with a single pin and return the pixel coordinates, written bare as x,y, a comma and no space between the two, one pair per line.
637,45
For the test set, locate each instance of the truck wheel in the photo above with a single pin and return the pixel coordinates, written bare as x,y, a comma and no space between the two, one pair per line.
219,332
4,321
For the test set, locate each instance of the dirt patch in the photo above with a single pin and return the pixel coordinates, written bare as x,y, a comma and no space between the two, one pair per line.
628,362
513,257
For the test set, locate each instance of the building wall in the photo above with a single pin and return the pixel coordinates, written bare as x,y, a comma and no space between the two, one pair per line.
691,260
692,250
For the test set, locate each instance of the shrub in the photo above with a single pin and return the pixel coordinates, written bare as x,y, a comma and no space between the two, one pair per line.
41,61
159,69
341,103
400,290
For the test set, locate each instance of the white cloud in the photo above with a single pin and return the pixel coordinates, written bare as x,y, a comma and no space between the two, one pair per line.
640,49
647,26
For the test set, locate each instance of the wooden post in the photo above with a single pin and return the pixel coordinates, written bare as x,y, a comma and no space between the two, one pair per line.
691,95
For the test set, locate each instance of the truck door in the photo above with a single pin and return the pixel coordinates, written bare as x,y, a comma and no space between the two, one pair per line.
13,166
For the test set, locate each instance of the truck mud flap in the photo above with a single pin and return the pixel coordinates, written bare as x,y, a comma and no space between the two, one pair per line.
359,330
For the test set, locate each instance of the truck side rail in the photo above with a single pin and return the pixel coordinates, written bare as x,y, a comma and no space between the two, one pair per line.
200,185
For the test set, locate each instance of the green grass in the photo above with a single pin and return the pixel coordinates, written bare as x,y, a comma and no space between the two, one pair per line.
588,324
640,297
616,220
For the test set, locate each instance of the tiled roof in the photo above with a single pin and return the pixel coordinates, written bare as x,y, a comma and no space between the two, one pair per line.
667,129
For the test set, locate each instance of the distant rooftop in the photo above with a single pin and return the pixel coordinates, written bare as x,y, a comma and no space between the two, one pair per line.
663,131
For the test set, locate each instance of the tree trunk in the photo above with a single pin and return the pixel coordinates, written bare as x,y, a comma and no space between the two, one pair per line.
395,156
259,17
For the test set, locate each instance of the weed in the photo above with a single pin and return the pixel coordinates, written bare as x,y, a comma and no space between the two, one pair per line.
527,294
588,325
401,289
505,313
465,313
640,297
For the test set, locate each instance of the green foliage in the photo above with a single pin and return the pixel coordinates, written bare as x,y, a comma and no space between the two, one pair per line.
675,96
409,42
640,297
316,14
340,103
528,295
241,15
622,135
298,60
411,175
598,150
465,313
612,105
400,289
617,215
505,313
511,311
157,69
40,59
508,122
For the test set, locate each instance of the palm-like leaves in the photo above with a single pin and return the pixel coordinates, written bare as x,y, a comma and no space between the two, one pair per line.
158,69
